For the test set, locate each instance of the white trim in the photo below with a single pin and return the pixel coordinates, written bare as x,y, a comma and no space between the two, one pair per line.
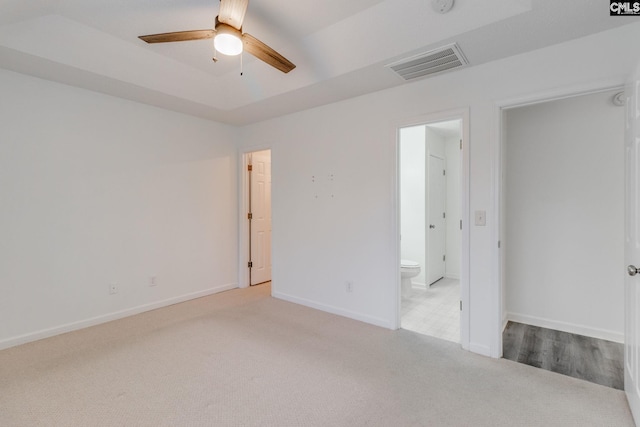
480,349
496,170
465,244
425,119
559,93
243,226
573,328
496,291
385,323
395,296
74,326
631,391
505,320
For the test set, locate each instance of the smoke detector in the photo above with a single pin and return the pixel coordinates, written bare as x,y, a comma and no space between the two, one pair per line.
442,6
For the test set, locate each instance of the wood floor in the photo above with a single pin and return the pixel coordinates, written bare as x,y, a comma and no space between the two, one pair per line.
587,358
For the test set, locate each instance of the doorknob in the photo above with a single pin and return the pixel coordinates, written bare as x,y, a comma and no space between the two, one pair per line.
432,226
633,270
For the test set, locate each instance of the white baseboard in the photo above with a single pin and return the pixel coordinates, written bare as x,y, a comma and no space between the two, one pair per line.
74,326
480,349
505,320
335,310
567,327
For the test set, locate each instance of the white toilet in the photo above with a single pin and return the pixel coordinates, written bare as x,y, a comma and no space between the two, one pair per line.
408,270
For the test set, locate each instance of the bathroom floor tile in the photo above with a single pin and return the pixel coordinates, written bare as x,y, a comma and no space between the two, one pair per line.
434,310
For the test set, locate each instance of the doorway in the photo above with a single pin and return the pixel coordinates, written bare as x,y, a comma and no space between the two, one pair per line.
561,217
258,216
430,169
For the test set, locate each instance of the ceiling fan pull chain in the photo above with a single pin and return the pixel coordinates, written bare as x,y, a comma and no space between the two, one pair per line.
241,71
215,54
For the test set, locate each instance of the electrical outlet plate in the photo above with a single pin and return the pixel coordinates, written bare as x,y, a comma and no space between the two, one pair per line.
153,280
349,287
113,288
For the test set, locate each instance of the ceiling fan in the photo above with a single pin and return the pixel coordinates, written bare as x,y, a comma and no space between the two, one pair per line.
228,37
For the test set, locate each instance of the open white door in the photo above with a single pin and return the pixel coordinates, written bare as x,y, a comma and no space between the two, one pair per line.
260,217
437,233
632,244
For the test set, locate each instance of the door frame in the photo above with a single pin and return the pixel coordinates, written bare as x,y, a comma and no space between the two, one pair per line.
498,293
425,119
243,206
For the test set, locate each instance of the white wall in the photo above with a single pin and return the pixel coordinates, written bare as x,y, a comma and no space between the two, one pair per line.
96,189
413,198
353,236
565,215
454,213
435,142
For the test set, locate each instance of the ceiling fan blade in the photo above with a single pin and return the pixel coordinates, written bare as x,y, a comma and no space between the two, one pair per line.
264,53
179,36
232,12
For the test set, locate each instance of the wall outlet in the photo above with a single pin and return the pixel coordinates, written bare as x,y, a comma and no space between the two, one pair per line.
481,218
349,287
153,280
113,288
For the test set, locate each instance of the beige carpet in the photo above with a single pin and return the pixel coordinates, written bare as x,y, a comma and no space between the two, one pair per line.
241,358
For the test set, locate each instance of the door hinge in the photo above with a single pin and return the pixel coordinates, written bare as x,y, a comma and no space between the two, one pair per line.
460,305
461,144
250,264
444,257
444,172
498,244
249,168
249,215
444,214
460,224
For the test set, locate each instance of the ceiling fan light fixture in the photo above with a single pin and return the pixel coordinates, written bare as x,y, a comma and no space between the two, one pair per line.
228,40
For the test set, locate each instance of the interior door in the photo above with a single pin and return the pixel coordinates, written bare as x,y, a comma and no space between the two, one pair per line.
260,217
632,244
436,244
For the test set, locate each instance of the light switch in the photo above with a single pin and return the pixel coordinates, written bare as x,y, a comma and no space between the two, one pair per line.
481,218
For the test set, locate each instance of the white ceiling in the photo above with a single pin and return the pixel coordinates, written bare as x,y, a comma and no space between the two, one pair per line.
340,47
